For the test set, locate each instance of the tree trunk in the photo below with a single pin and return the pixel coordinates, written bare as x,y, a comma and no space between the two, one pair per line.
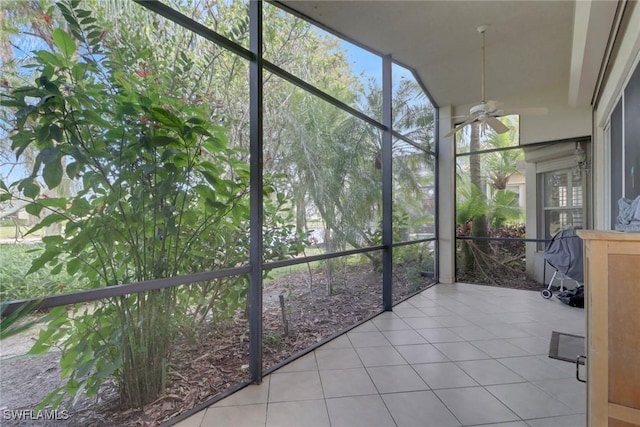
479,226
466,255
328,264
301,213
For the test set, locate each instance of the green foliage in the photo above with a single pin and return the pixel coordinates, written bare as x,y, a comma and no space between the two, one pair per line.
504,209
413,262
15,284
328,155
273,341
471,203
159,193
24,318
127,339
501,209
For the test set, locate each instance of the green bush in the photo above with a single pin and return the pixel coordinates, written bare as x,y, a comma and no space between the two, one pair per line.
160,193
15,261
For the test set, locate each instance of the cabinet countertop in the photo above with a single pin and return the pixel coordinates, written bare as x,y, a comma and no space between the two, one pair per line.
608,235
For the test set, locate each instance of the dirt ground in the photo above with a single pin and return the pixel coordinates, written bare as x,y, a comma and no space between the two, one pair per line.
219,360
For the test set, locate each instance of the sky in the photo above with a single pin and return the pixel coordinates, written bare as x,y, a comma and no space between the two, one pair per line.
370,65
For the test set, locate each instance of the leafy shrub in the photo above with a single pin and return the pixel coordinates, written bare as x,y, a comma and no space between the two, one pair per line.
160,193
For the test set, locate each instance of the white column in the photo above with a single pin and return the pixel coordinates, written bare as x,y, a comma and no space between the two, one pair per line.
446,200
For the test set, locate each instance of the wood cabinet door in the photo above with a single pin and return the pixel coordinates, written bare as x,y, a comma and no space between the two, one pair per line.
623,334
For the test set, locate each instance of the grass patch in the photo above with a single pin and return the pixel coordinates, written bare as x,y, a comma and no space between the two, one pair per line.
15,261
279,273
10,231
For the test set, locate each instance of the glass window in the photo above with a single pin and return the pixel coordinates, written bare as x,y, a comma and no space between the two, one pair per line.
617,157
228,18
335,66
325,164
413,193
490,203
563,201
413,113
490,186
631,110
413,268
306,303
158,136
519,193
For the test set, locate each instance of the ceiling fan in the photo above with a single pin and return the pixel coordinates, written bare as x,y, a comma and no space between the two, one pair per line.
487,112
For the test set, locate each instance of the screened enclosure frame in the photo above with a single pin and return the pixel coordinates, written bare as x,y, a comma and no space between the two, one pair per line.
257,267
527,240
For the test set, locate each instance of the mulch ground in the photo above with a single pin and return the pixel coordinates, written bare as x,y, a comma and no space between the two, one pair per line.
203,370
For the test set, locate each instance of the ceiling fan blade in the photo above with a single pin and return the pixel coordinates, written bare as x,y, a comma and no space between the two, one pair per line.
496,125
460,126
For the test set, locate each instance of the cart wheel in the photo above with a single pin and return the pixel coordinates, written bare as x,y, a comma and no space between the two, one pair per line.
546,293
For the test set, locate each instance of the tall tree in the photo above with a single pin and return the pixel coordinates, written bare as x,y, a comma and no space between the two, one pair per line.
479,224
484,199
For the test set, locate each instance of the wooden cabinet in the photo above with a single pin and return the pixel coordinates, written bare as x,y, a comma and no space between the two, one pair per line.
612,285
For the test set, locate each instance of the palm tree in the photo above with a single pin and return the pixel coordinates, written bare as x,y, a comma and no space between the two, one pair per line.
479,206
501,165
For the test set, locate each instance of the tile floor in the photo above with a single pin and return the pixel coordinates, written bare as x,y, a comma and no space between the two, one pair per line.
454,355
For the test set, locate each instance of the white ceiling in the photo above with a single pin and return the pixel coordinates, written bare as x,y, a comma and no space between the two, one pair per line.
529,44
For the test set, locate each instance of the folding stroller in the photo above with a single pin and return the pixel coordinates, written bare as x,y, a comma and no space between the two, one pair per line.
564,253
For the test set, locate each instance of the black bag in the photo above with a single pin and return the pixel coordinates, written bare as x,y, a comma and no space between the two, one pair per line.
573,297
